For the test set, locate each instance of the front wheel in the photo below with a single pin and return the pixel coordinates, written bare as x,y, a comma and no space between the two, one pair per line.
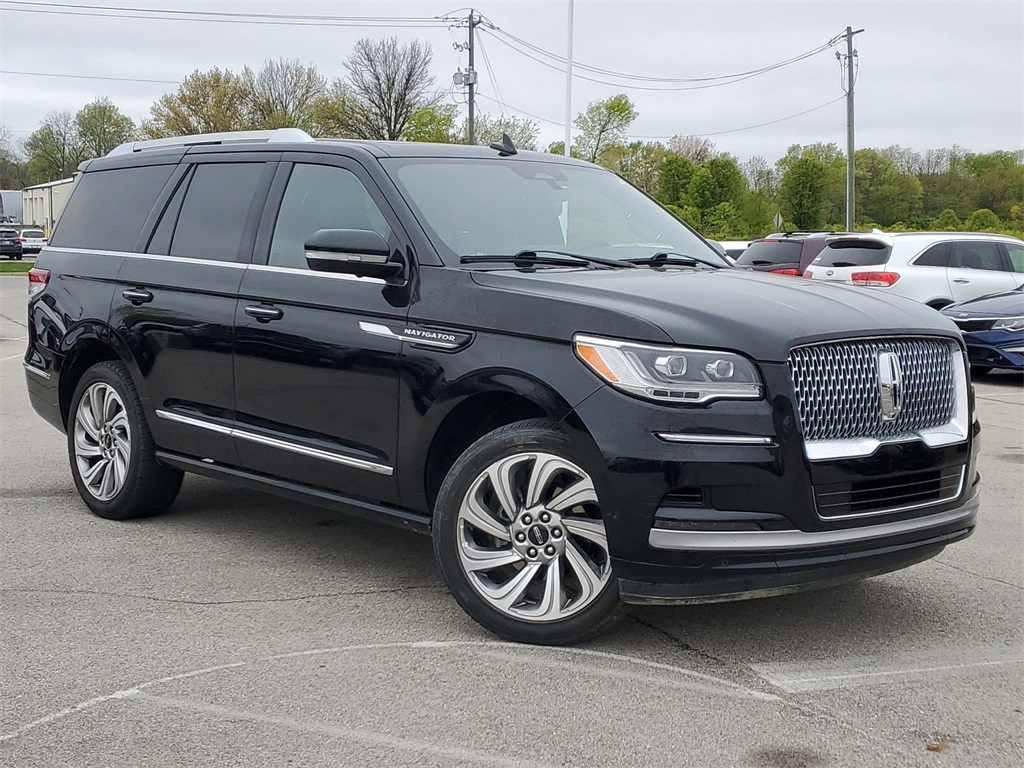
520,539
113,458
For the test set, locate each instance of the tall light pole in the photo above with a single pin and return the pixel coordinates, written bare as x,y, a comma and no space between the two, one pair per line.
850,57
568,87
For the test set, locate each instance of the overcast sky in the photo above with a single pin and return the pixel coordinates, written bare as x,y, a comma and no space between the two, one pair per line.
931,73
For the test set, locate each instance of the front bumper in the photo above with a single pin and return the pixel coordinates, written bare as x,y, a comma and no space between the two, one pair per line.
996,349
747,513
767,563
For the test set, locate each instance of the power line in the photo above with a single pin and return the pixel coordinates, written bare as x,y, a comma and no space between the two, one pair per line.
87,77
628,86
646,78
751,127
220,17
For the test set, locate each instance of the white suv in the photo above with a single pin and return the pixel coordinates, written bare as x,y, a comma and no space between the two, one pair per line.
935,268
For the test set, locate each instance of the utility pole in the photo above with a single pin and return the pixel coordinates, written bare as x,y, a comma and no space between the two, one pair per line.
471,77
566,146
850,60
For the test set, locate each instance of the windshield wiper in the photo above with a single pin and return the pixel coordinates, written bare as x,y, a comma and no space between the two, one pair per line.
669,258
531,256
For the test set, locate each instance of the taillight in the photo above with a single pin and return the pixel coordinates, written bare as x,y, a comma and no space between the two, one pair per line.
807,273
875,279
793,272
37,280
19,239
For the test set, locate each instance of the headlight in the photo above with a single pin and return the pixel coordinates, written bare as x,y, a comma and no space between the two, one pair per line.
667,373
1009,324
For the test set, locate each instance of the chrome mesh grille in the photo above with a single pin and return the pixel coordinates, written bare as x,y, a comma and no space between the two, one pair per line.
838,394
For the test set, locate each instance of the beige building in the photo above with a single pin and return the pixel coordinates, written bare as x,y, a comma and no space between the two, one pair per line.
42,204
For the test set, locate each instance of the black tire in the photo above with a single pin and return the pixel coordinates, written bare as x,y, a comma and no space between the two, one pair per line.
980,370
595,607
148,488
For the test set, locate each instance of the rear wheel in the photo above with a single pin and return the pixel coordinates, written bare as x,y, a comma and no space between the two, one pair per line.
113,459
520,540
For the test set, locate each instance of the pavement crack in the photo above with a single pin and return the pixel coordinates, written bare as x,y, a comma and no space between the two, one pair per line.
978,575
12,320
152,598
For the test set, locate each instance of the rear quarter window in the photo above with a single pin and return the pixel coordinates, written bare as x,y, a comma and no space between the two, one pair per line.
850,253
108,209
767,252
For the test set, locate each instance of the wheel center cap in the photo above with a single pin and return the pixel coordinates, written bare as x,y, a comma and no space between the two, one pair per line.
538,534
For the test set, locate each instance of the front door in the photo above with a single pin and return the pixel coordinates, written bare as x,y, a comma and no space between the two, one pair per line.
316,389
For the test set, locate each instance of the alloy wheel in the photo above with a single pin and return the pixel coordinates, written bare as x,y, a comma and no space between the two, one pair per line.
102,441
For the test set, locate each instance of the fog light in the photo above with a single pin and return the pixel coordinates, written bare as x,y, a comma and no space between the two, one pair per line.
720,369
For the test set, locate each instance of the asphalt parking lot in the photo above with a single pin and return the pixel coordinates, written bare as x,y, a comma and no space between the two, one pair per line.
242,630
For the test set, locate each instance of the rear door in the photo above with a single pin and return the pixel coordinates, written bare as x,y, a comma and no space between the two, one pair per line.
174,305
978,268
316,370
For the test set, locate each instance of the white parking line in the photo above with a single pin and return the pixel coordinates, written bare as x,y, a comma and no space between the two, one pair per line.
797,678
12,357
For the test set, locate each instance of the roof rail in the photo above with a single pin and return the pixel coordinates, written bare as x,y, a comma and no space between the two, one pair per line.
280,135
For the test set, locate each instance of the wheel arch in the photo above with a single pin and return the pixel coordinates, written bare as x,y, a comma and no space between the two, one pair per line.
482,406
82,347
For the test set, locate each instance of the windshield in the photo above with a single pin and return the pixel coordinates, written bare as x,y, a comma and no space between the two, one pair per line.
504,206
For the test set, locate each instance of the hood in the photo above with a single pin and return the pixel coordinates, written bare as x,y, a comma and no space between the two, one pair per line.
994,305
759,315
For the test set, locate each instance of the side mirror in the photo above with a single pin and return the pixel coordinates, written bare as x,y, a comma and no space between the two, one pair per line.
359,252
719,248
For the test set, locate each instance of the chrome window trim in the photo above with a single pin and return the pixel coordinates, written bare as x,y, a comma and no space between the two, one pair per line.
691,437
765,541
313,273
285,445
894,510
151,257
36,371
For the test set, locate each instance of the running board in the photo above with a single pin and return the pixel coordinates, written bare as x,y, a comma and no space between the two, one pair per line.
365,510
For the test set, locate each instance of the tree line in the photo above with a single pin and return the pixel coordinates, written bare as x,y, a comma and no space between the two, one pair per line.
388,93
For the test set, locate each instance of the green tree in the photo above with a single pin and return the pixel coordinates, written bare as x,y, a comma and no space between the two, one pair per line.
833,160
883,193
435,124
603,125
282,94
983,220
639,164
102,126
697,149
13,169
55,149
947,221
330,115
802,192
674,176
389,81
206,102
488,129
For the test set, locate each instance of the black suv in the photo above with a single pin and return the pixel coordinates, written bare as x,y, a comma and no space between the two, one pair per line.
518,353
784,253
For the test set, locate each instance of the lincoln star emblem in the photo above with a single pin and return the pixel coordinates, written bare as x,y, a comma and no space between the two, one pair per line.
890,385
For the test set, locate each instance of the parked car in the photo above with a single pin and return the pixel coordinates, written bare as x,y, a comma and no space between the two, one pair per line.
32,240
993,328
559,381
10,245
934,268
734,248
784,253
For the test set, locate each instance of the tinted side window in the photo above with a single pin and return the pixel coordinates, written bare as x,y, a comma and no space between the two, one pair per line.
108,209
213,215
936,256
971,255
321,197
160,242
1016,253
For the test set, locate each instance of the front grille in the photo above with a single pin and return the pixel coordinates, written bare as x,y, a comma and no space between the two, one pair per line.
838,392
974,325
888,494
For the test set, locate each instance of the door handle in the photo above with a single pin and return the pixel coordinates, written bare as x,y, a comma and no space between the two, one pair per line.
137,296
264,314
961,280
